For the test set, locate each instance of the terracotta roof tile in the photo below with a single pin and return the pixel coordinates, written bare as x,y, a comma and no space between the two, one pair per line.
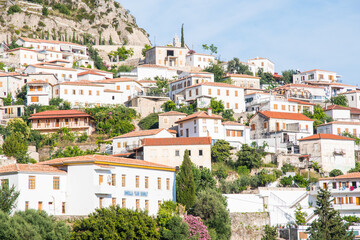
232,123
21,48
151,66
140,133
345,176
59,113
300,102
59,60
336,107
107,160
52,67
291,85
115,80
313,70
326,136
172,113
81,83
341,123
177,141
37,82
13,168
285,115
201,114
240,76
89,72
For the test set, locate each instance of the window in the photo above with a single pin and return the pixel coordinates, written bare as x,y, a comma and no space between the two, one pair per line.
189,152
194,129
74,92
197,91
354,132
346,130
275,106
227,92
56,183
90,92
181,125
236,93
118,88
97,93
177,153
284,126
35,99
181,133
351,200
236,106
168,184
146,205
146,182
26,205
216,129
218,92
127,87
209,91
200,152
39,206
63,208
101,179
195,121
31,182
137,183
189,93
137,204
123,180
252,126
159,183
113,201
334,185
113,179
283,107
65,91
81,92
123,202
204,121
56,92
227,105
101,202
265,125
338,131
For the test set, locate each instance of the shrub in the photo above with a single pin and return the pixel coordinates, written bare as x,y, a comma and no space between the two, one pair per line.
149,122
129,29
14,9
45,11
335,173
41,24
196,228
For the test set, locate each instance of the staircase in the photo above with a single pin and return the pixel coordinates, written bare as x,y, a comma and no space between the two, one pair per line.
299,199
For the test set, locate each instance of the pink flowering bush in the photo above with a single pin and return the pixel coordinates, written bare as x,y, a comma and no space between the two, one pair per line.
197,228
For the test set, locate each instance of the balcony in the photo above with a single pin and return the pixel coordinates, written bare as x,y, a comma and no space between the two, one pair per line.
339,152
104,188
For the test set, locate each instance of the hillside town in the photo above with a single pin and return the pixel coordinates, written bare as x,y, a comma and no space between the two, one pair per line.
79,134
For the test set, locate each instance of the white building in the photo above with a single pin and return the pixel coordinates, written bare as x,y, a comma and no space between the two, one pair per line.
61,73
167,119
315,75
344,191
204,124
129,141
337,112
38,92
150,71
243,80
129,87
329,151
90,76
108,75
232,96
166,56
263,63
312,93
77,186
340,127
353,98
170,151
199,60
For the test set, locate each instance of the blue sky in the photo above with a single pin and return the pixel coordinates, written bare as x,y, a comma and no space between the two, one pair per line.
294,34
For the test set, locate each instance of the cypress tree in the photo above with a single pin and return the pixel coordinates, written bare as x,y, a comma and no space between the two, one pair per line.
110,41
182,36
329,225
185,184
73,38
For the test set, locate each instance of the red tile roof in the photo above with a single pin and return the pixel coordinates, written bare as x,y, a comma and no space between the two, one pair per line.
232,123
47,41
106,160
336,107
201,114
37,82
81,83
341,123
140,133
90,72
151,66
345,176
95,70
300,102
33,168
58,114
177,141
59,60
326,136
240,76
172,113
287,86
353,91
146,81
215,84
51,67
285,115
21,48
115,80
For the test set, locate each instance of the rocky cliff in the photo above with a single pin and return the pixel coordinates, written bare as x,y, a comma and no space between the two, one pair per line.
98,21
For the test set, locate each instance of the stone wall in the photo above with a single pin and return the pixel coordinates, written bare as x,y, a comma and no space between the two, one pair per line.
248,226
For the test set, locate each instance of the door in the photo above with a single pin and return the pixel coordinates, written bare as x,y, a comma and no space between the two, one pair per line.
357,200
187,132
277,126
19,112
57,123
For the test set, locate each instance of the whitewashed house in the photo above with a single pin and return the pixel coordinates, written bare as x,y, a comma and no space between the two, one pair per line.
199,60
243,80
353,98
61,73
38,92
263,63
76,186
315,75
340,127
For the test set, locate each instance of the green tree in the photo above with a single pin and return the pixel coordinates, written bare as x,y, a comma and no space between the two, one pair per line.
340,100
168,106
175,229
8,100
185,184
216,106
335,173
251,157
115,223
18,126
14,9
15,146
110,41
2,66
45,11
151,121
220,151
270,233
146,47
211,207
182,36
217,69
8,197
122,53
236,66
300,216
287,75
21,96
328,225
212,48
228,115
286,181
203,178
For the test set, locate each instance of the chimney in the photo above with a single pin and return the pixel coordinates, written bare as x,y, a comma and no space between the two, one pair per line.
241,120
209,111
